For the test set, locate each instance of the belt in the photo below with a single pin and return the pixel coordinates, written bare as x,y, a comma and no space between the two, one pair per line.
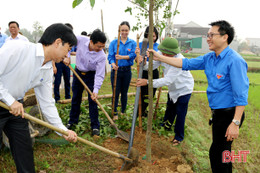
124,68
84,73
223,110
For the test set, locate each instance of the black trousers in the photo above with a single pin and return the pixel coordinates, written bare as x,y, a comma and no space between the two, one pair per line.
17,131
221,120
77,89
123,80
144,90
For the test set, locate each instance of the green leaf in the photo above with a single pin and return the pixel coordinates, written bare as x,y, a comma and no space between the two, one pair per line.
92,3
76,3
129,9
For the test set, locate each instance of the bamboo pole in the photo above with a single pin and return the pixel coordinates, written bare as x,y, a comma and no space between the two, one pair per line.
138,68
115,75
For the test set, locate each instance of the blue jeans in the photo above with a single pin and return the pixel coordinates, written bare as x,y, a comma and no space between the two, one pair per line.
62,69
179,108
77,89
124,76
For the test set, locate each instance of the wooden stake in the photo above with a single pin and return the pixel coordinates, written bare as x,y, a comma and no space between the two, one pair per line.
115,75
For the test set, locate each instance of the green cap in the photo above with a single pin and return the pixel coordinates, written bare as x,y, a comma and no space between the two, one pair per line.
169,46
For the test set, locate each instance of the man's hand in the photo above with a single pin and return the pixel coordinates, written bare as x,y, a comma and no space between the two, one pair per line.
137,50
232,132
94,96
66,61
156,55
54,69
72,136
119,57
114,66
141,82
17,109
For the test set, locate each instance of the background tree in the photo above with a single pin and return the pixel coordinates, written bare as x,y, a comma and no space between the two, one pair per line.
27,34
162,14
37,31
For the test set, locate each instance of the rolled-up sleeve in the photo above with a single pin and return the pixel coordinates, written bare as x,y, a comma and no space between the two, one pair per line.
239,82
132,54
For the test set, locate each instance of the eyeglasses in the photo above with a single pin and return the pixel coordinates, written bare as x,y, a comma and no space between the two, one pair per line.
210,35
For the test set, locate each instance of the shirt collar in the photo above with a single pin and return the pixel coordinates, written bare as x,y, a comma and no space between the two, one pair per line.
17,37
87,45
224,52
126,40
39,50
40,54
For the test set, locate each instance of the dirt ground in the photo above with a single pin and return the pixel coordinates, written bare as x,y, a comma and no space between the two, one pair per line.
165,158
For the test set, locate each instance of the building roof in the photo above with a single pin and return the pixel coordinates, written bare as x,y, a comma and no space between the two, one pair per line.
194,30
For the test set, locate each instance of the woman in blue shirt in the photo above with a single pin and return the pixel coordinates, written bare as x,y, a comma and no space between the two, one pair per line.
144,89
125,61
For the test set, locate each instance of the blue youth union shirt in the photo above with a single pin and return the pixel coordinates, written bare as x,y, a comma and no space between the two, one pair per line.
228,83
124,49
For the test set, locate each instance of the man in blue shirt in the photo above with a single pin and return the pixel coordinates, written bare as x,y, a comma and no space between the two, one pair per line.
2,38
227,90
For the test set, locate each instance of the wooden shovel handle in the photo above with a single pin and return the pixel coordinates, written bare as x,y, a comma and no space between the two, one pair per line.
45,124
115,75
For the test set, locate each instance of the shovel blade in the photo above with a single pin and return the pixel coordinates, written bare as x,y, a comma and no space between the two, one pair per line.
123,135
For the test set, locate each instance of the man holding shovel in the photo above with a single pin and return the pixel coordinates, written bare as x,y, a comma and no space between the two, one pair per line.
90,66
24,66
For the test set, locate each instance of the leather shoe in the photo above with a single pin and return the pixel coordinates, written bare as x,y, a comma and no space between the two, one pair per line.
70,126
95,132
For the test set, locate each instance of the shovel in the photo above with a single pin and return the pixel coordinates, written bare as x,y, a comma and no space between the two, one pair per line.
138,89
131,161
120,133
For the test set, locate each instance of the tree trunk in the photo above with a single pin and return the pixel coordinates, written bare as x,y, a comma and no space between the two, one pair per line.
169,22
150,86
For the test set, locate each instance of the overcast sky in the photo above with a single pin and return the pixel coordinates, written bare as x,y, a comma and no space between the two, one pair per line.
243,15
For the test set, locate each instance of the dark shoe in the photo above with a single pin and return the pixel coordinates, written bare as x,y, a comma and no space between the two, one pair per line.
70,126
95,132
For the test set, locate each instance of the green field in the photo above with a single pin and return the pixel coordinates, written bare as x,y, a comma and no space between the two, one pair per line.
50,156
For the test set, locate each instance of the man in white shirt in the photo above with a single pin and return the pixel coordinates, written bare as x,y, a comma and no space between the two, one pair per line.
14,30
25,65
180,85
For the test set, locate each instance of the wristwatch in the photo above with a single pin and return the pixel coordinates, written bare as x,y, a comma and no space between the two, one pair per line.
236,122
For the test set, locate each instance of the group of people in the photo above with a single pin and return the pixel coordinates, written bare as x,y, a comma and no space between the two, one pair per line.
225,69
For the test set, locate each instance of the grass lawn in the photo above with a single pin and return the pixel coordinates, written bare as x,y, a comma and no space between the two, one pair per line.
53,154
